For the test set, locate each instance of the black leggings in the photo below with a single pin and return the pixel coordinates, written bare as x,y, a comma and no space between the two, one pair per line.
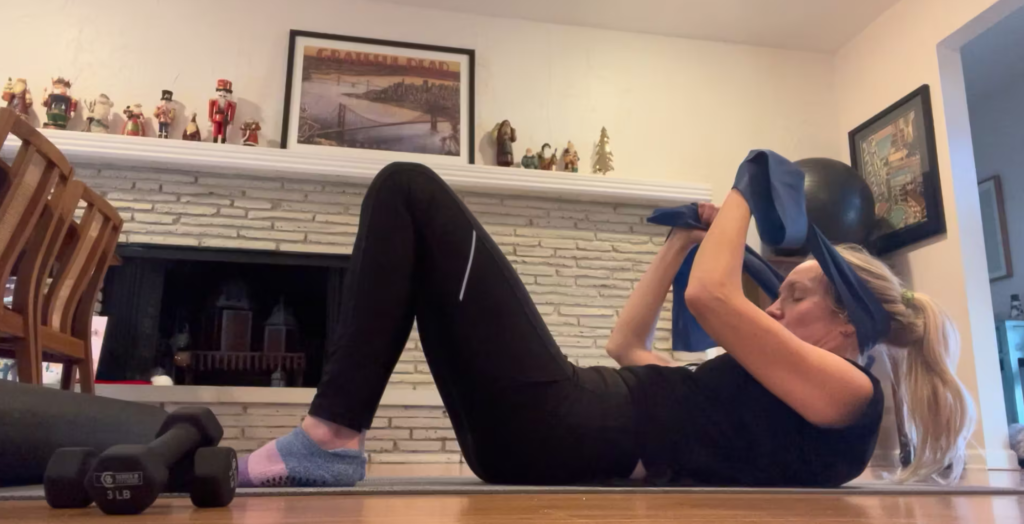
523,413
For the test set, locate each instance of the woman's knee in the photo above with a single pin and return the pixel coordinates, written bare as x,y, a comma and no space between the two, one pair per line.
408,175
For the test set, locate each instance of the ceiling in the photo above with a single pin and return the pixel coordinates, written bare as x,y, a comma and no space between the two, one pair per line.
806,25
995,58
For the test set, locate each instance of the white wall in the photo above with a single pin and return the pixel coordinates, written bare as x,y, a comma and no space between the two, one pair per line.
908,46
997,129
675,109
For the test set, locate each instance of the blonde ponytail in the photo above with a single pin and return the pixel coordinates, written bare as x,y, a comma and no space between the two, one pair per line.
933,407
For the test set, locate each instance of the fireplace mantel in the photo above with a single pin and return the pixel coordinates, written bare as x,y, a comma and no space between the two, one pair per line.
86,149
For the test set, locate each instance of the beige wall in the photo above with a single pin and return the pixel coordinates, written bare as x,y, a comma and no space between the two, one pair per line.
904,48
676,109
997,134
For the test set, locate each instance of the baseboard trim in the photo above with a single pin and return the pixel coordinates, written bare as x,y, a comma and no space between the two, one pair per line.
995,459
999,459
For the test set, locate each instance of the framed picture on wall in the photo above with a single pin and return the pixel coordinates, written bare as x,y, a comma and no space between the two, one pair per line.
378,99
993,222
895,153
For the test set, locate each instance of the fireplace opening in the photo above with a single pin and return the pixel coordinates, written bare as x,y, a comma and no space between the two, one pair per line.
219,317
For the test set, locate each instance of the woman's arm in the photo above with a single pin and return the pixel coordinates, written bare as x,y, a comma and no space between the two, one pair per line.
631,340
819,385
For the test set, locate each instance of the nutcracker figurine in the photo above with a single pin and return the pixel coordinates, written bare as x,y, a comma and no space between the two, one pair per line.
222,111
164,114
191,132
17,96
98,115
133,121
251,132
60,107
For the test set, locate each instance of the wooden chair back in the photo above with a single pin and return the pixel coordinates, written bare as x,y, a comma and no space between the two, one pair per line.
81,265
39,170
34,181
78,256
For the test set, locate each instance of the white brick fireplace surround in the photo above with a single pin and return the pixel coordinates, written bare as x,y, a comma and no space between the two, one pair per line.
579,243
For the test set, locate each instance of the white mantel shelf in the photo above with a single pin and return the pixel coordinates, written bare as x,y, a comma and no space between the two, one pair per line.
86,149
251,395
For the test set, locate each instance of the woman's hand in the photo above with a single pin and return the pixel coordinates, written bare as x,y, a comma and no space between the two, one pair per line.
631,340
691,237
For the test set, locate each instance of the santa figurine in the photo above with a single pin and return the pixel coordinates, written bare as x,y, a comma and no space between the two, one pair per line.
97,112
570,159
191,132
60,107
164,114
222,111
17,96
251,132
134,121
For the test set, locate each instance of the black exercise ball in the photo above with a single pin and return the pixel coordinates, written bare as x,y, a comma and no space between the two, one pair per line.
839,202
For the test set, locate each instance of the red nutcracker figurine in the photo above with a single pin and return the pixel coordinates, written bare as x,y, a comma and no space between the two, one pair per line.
222,111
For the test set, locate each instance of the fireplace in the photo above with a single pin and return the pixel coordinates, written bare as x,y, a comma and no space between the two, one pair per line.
220,317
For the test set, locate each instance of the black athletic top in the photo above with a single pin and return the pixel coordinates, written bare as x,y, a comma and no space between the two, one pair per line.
719,426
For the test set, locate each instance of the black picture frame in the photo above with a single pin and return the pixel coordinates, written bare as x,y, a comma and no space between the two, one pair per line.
467,128
896,202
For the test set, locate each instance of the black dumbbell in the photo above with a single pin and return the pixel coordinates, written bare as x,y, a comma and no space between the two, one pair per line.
214,478
64,480
127,479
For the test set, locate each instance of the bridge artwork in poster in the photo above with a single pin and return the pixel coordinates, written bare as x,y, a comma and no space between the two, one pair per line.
376,98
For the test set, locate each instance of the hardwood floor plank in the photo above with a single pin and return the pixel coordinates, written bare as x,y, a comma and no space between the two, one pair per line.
605,509
563,509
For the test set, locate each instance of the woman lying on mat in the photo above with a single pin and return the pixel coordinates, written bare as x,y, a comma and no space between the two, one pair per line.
788,405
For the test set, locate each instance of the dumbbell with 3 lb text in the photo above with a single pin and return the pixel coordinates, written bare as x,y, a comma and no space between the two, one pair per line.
128,479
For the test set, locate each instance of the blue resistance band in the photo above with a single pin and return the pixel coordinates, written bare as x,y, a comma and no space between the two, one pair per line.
774,190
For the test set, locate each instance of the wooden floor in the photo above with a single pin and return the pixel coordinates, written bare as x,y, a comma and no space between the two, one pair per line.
536,509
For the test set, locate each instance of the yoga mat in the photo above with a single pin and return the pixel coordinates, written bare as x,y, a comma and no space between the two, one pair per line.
35,421
472,486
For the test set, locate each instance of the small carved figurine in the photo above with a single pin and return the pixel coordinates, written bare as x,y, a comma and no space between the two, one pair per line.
60,107
570,159
530,160
251,132
97,119
221,111
164,114
191,132
548,158
134,121
504,136
17,96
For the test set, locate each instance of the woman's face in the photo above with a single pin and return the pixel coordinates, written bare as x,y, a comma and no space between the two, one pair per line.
805,307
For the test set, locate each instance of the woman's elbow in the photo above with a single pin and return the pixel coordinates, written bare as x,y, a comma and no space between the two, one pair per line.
704,298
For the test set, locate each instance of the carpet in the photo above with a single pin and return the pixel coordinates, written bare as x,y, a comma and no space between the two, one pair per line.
472,486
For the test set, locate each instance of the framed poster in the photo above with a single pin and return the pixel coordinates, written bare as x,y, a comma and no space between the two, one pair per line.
993,223
378,99
895,153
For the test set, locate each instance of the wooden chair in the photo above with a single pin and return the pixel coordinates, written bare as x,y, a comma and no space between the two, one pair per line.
39,171
83,253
